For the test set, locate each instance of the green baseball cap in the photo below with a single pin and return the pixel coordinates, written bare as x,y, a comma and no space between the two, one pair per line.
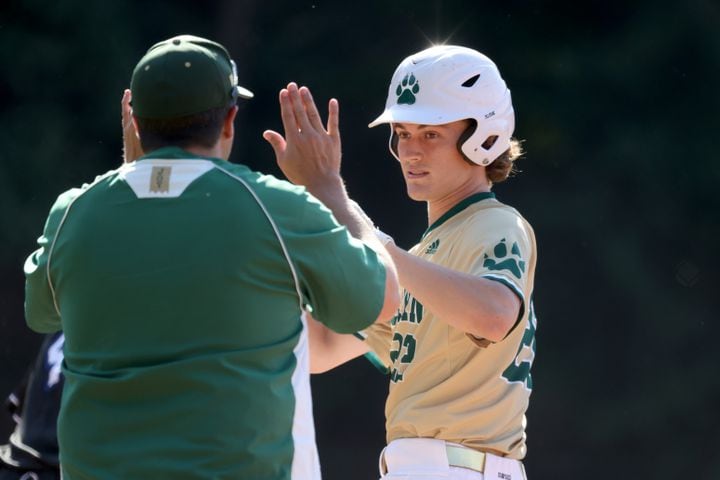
182,76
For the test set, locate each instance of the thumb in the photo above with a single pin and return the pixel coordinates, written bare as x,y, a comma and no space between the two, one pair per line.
276,141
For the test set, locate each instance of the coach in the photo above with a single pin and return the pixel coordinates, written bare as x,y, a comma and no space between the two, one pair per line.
181,282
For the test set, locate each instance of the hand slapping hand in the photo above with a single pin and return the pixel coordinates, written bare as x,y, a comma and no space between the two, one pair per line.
309,154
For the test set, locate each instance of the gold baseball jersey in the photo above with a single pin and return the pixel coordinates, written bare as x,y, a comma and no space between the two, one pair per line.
444,383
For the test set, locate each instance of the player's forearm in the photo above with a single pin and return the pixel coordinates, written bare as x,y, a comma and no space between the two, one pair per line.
333,194
349,213
478,306
330,349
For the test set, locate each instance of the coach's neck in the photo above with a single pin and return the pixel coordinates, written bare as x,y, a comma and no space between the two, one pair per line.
223,146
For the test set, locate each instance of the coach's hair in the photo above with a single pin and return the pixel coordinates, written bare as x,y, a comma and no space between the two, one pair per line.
199,129
504,166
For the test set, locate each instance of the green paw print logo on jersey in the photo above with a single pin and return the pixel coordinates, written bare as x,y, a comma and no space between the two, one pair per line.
407,89
514,263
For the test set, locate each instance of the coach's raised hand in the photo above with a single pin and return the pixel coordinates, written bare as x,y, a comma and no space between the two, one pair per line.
131,142
309,154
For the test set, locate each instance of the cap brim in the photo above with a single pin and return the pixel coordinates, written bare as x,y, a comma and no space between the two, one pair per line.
243,92
402,114
384,118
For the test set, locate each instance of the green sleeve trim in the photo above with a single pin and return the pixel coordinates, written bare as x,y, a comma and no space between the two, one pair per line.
377,363
371,356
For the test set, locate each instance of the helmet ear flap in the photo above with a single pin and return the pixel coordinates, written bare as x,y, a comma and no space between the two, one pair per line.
492,136
393,143
483,150
472,126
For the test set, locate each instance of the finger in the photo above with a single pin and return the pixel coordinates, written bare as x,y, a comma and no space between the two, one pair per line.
333,123
287,114
298,106
276,141
311,109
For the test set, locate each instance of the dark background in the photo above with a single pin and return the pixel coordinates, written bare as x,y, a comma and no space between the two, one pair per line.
617,103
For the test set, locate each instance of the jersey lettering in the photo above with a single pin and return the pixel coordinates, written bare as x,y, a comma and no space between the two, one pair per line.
519,369
403,348
409,343
415,314
395,351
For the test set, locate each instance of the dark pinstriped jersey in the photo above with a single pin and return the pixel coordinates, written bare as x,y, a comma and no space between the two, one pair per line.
34,406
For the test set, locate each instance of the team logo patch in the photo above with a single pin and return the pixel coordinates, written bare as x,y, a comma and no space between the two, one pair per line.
407,89
433,247
502,261
160,179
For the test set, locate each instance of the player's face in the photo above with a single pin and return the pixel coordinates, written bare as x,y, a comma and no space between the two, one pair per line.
432,165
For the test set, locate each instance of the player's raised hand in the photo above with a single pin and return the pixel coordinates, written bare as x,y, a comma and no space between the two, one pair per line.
131,142
309,154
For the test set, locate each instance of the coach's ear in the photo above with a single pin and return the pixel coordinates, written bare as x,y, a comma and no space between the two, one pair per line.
228,130
228,133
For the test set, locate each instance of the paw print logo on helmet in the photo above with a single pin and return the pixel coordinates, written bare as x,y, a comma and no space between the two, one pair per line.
457,83
407,89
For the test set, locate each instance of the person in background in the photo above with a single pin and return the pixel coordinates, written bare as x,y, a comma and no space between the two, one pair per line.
31,452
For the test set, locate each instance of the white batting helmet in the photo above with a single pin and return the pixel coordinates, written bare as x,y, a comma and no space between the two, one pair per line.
446,83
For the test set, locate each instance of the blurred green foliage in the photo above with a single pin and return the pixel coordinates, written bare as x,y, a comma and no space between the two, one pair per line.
617,103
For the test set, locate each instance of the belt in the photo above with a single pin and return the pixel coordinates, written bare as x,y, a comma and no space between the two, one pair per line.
457,456
465,458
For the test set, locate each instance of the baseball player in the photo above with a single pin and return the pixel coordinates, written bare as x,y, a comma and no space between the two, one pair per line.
32,450
460,348
181,282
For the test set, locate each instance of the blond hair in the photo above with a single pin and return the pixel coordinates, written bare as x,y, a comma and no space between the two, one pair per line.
504,166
